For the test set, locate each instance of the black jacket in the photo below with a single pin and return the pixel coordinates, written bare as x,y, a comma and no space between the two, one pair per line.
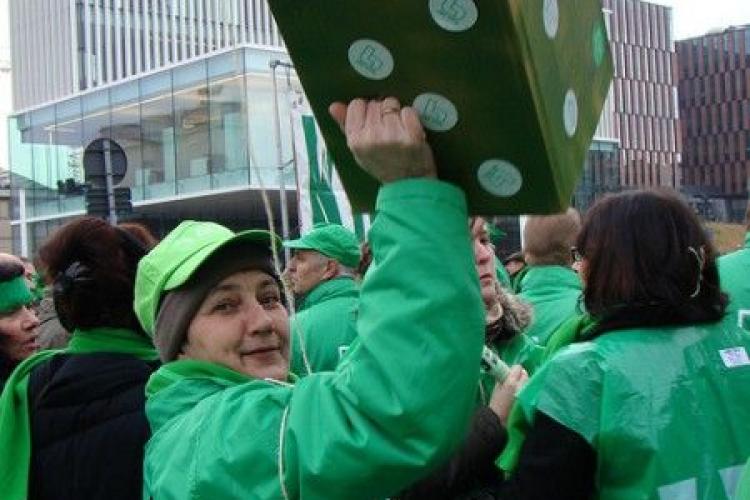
88,427
6,368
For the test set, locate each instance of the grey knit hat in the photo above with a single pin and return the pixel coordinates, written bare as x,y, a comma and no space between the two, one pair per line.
179,306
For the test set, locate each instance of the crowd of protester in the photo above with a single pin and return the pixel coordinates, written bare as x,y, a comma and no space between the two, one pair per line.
136,368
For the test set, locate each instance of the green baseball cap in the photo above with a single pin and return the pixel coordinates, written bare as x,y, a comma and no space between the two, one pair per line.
176,258
332,240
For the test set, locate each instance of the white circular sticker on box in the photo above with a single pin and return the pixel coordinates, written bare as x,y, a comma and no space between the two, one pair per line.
454,15
500,178
570,113
436,112
371,59
551,14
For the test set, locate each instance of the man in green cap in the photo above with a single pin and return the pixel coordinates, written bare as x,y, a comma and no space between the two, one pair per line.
321,273
734,269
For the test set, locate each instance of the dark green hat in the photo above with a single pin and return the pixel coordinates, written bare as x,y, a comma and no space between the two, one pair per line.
332,240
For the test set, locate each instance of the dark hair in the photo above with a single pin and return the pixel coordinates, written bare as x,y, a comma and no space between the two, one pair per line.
10,269
93,266
747,215
648,263
142,233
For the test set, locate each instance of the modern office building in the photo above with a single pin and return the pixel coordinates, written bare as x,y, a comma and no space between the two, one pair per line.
184,87
714,76
637,143
645,93
61,47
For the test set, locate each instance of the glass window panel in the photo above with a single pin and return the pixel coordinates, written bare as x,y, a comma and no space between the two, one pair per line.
43,198
229,152
192,136
157,128
69,144
261,119
125,130
21,159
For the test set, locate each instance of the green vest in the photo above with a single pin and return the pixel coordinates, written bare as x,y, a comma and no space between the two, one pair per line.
734,272
324,326
665,409
553,291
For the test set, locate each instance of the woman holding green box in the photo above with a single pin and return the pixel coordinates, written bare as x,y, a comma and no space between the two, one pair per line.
227,418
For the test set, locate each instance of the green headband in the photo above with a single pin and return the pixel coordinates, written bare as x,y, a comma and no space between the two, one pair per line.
14,294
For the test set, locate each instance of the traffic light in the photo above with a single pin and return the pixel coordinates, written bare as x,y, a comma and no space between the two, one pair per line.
123,201
97,203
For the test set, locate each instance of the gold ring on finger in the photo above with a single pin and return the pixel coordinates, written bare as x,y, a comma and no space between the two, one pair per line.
389,110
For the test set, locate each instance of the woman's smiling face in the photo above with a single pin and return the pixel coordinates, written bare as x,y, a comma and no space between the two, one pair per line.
242,324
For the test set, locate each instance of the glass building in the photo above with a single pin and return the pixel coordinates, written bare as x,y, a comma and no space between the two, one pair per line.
200,141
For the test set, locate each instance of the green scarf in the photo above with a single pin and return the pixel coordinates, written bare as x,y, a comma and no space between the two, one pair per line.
177,371
15,435
575,329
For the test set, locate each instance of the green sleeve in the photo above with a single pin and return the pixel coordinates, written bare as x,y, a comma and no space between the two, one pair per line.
401,400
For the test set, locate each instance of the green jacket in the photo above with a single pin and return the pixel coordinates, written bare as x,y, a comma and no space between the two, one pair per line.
554,292
734,272
378,422
324,326
665,409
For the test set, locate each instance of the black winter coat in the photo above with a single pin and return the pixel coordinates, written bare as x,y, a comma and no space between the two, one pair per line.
88,427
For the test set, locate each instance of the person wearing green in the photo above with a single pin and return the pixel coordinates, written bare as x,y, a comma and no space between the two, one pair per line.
649,399
321,273
506,316
473,463
548,283
72,421
230,421
18,322
734,271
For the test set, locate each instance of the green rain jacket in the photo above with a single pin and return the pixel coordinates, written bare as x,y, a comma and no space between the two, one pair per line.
554,292
665,409
734,273
396,407
324,326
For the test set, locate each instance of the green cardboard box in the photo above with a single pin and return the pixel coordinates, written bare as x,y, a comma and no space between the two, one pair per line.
509,90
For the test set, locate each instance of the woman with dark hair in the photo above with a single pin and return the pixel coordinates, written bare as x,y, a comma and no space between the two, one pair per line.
18,322
72,422
650,401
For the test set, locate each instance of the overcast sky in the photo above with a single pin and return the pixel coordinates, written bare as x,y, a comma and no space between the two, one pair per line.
696,17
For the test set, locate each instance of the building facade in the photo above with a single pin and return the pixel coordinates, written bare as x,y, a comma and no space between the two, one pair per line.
637,143
644,93
184,87
714,72
91,43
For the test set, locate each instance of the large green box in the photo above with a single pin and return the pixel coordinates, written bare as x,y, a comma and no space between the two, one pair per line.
510,90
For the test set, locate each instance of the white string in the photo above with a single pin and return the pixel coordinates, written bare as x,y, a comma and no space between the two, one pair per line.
280,462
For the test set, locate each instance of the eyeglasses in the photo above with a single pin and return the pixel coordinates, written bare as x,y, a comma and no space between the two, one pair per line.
575,254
